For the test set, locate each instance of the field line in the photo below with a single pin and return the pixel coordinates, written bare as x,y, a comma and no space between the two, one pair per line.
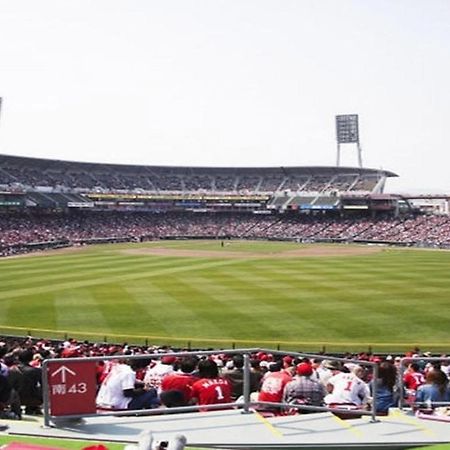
219,340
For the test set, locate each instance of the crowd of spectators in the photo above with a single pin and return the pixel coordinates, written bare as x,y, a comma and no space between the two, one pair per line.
19,232
33,173
188,379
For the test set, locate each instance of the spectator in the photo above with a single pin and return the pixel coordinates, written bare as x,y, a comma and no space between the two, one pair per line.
29,383
236,377
156,373
386,395
273,384
347,389
119,390
176,387
210,389
303,389
436,388
413,378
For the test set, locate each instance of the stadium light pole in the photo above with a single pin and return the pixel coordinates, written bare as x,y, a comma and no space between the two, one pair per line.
347,132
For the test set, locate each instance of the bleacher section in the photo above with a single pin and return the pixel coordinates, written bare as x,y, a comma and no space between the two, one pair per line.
51,183
34,172
19,230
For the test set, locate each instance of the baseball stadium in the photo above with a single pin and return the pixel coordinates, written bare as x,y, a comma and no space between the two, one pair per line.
271,262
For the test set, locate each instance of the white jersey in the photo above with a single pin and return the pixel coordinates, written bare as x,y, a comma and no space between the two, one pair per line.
347,388
120,378
153,376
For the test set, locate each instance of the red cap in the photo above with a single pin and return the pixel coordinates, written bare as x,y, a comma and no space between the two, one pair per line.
261,356
168,359
288,360
304,369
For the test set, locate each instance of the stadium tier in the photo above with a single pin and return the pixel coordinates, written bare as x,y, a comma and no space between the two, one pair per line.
52,183
49,203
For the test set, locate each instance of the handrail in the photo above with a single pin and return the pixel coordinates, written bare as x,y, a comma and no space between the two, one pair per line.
246,405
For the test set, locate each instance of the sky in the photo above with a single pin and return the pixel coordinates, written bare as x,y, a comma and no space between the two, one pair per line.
229,83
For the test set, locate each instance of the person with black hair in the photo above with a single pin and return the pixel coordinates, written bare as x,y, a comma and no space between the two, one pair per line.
236,377
387,396
211,388
273,384
120,389
29,383
176,387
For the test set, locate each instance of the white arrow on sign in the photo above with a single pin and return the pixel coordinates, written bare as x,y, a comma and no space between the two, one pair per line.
63,370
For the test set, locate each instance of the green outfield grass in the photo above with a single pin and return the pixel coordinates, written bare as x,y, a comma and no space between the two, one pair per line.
391,300
77,445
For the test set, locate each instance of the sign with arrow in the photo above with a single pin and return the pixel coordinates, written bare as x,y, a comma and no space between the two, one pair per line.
72,387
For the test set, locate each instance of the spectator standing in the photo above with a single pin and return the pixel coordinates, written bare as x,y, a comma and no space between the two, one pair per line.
29,383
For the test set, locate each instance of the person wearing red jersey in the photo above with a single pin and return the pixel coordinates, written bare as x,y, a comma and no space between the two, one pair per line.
413,377
210,389
176,387
273,384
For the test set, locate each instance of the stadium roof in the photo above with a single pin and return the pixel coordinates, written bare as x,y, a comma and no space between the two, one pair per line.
298,170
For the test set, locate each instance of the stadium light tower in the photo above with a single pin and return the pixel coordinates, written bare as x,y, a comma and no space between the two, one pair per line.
347,132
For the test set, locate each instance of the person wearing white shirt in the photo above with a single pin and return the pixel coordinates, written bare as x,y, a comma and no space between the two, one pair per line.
119,391
348,388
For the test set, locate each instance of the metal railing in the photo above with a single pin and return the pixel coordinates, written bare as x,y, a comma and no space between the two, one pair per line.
246,405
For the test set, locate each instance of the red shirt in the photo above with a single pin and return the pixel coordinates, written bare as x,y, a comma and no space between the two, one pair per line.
413,380
179,381
273,386
212,391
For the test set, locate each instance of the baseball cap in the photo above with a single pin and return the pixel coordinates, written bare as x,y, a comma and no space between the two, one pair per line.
332,365
304,369
168,359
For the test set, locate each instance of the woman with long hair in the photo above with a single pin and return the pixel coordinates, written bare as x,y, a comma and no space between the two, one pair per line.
385,393
436,388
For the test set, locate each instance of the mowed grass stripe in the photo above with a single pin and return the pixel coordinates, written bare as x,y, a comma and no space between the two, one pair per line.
203,309
78,306
87,272
66,265
285,306
306,311
235,307
194,265
169,315
345,305
118,307
35,311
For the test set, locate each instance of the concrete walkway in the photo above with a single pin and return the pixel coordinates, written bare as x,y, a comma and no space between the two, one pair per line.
233,429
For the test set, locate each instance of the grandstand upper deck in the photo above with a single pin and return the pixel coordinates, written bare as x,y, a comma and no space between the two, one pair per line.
28,174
